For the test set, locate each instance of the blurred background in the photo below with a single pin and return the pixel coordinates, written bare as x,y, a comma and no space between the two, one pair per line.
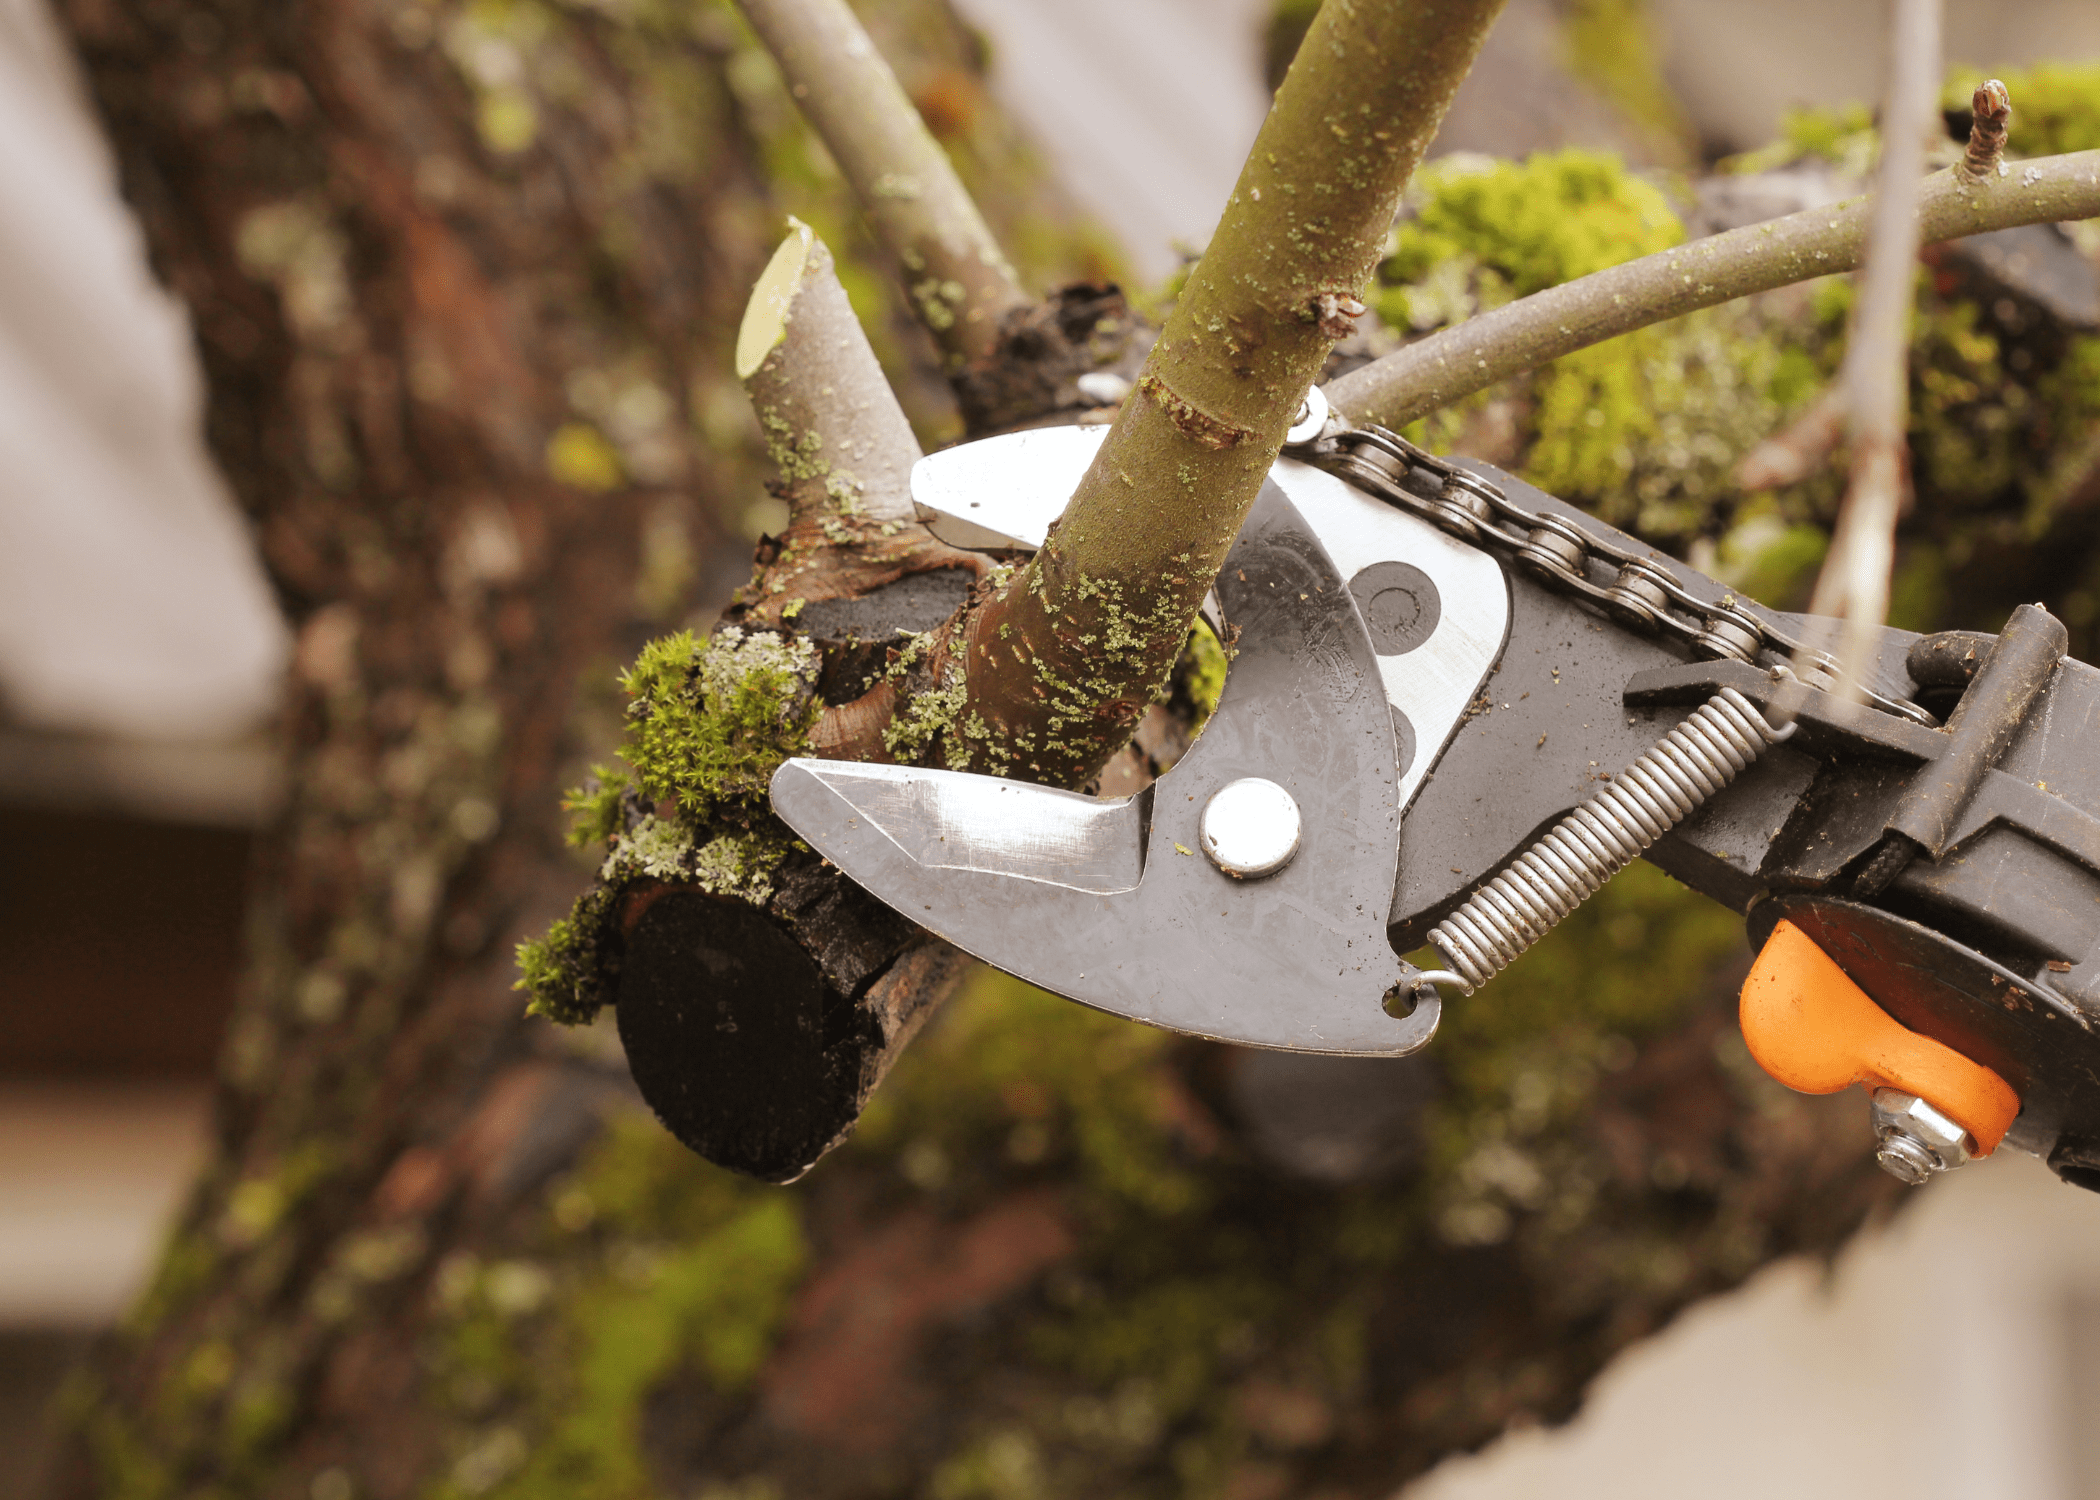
1955,1353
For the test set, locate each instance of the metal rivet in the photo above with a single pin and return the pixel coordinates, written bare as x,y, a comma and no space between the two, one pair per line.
1250,828
1311,419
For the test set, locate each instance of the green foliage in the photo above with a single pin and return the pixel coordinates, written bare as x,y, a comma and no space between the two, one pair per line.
2056,105
652,1264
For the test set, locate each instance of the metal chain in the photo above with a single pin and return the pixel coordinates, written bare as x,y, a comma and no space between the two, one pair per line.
1561,551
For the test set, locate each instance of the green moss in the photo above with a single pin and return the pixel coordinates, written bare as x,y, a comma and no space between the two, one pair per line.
1535,223
594,807
1197,1271
1203,673
653,1264
711,720
707,724
563,970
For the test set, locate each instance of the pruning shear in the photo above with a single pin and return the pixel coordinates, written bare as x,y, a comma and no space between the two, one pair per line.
1457,706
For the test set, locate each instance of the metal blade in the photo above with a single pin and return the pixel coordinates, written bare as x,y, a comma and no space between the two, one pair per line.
1014,485
1295,960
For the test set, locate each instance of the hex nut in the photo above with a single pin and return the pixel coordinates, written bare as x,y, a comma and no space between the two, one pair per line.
1917,1140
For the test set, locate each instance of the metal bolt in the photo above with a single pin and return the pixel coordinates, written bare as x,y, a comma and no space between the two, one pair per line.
1311,419
1250,828
1917,1140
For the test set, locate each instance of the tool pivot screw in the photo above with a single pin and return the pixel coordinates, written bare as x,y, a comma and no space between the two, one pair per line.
1250,828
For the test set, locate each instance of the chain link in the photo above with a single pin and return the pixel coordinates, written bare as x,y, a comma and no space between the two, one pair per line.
1562,553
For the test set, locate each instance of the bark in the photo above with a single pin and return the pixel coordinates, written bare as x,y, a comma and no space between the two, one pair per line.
959,281
1454,363
1876,374
457,278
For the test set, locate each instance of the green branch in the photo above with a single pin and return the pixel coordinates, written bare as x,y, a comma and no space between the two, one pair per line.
1061,663
958,278
1454,363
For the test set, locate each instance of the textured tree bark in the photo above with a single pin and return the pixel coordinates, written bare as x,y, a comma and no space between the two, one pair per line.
458,276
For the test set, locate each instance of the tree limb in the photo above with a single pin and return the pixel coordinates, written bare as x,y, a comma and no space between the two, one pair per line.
1455,362
1854,582
762,1001
840,442
959,280
1060,664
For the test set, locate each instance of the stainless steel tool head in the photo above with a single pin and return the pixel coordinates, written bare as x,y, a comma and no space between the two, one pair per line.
1243,897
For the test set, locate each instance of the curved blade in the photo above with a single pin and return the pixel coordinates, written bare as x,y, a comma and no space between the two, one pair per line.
1437,609
1295,960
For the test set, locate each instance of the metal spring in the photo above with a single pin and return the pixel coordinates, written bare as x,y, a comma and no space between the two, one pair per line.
1666,785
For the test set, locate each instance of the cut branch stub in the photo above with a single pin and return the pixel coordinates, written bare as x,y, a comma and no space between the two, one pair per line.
958,279
1062,661
840,442
758,1019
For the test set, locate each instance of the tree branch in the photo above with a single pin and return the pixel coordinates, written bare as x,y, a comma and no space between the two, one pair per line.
959,280
1060,664
710,911
1455,362
1854,582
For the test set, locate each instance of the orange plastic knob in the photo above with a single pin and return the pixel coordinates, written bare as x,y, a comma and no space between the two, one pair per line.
1814,1030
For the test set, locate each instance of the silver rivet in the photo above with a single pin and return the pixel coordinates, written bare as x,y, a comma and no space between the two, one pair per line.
1311,420
1250,828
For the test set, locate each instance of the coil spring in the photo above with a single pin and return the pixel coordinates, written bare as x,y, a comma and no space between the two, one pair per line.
1666,785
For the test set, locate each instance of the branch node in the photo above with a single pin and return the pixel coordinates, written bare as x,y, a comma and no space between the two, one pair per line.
1992,115
1336,313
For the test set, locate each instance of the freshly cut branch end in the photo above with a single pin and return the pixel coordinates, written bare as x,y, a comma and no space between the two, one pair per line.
766,314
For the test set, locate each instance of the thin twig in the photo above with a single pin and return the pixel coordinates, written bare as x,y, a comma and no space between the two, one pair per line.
1454,363
1854,582
959,280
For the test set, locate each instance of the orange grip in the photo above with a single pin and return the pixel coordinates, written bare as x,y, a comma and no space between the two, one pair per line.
1814,1030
